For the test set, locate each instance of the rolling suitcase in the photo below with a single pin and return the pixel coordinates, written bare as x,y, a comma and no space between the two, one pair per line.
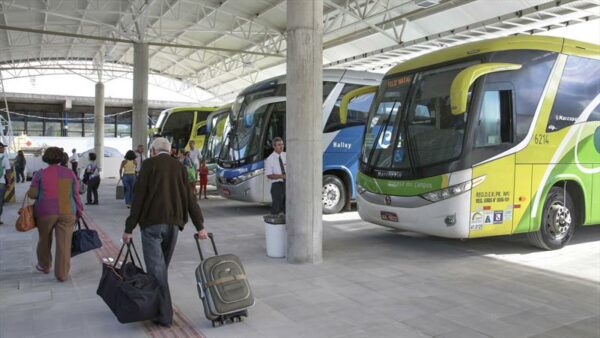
222,286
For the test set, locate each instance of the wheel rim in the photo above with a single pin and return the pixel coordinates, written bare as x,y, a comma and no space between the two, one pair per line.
331,195
559,221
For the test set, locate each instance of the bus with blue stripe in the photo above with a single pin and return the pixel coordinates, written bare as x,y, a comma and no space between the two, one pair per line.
258,116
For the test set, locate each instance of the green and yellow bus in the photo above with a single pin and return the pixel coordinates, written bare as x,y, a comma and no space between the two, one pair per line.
180,125
217,126
489,138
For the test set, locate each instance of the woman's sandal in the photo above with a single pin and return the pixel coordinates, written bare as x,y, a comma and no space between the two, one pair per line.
40,269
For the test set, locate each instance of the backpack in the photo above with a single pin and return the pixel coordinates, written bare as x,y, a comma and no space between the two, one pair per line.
191,171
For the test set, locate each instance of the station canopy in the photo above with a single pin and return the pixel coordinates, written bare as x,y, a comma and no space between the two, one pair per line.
219,47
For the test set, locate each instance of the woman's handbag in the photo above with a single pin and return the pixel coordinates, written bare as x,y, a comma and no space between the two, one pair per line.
132,294
84,239
26,219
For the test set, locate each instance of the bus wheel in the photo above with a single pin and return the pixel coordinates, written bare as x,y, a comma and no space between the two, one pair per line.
333,194
558,221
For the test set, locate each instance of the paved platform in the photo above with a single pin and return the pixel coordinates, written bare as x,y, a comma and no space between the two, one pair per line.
373,282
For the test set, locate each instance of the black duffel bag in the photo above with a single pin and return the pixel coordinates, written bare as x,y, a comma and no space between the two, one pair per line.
132,294
84,239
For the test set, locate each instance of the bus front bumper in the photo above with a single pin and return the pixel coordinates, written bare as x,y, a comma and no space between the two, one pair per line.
250,190
446,218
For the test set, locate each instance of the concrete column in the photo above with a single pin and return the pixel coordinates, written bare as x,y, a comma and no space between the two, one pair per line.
139,118
304,130
99,126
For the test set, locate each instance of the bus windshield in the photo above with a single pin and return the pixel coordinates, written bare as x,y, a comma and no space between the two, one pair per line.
244,141
411,124
178,127
214,139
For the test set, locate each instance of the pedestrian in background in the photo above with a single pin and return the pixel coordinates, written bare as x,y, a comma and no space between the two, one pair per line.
20,164
92,180
127,174
74,159
4,171
161,204
57,206
140,154
203,179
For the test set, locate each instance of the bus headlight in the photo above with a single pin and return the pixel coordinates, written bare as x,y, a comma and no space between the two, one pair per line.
439,195
247,176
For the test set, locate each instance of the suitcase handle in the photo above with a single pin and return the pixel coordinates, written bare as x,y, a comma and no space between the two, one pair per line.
212,240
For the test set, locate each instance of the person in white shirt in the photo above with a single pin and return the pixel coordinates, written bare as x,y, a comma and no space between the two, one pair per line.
195,154
140,157
4,169
275,171
74,159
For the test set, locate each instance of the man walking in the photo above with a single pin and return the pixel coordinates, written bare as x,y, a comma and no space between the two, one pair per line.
4,170
161,204
275,171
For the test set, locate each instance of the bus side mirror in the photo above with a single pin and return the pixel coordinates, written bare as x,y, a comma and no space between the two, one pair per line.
459,90
349,96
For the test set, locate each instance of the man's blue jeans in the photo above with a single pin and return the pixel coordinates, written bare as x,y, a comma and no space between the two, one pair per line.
158,243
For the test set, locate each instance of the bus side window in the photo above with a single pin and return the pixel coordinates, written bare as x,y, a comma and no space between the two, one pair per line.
579,85
495,119
201,130
358,112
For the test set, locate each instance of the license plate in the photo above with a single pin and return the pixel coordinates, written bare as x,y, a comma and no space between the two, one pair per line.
226,192
389,216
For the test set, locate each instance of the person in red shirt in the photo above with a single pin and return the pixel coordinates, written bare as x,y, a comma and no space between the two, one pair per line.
203,178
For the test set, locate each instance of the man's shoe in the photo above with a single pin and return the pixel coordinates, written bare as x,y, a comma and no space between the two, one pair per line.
161,324
88,203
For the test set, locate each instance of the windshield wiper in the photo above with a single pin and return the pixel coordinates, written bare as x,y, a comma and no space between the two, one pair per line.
384,127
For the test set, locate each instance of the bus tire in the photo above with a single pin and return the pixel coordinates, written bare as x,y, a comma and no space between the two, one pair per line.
558,221
333,195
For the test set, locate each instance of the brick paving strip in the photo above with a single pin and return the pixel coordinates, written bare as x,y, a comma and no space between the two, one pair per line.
181,327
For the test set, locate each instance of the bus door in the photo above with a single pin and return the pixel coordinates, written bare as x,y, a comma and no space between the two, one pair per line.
497,180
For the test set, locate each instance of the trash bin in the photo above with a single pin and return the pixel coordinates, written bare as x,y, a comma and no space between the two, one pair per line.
276,236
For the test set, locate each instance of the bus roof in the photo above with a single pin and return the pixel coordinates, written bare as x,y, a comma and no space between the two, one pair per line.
334,75
536,42
177,109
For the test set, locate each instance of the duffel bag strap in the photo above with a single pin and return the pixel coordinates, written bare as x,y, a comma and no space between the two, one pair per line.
226,280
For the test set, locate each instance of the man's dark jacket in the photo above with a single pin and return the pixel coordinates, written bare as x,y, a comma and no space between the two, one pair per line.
162,196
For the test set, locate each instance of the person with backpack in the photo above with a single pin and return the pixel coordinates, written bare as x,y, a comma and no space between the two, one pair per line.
190,169
91,177
4,170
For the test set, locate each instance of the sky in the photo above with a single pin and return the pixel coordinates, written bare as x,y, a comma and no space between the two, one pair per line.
73,85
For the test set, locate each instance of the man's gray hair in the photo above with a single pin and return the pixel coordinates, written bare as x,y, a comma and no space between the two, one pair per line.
277,139
161,144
